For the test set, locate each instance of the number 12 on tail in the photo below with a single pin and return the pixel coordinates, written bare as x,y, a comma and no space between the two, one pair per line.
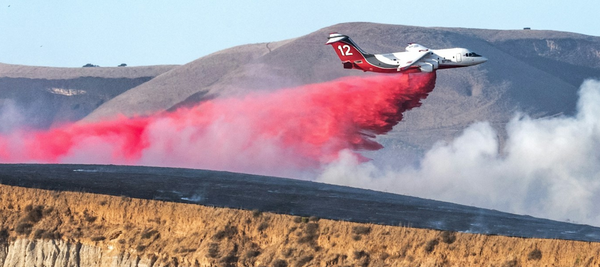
345,50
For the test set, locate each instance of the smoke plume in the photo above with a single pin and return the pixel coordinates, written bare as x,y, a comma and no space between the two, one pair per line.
549,167
270,133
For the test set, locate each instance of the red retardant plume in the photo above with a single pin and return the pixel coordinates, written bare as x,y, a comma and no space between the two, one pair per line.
266,133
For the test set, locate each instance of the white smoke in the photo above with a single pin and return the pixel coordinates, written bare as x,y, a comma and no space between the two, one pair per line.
549,167
11,116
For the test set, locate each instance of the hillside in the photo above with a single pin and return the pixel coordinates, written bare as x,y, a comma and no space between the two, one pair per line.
286,196
537,72
53,228
41,97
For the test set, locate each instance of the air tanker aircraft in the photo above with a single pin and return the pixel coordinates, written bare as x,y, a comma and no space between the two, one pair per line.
416,58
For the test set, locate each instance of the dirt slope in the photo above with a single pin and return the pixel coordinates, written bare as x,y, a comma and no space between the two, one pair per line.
164,233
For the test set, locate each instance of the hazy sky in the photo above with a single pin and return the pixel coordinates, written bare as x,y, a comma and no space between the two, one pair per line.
72,33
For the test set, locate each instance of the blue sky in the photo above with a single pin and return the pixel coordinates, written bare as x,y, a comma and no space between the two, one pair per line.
72,33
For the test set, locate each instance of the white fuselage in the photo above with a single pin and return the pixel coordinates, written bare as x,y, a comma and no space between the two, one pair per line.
439,58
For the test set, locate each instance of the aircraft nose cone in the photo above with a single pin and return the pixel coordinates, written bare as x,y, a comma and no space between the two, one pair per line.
483,59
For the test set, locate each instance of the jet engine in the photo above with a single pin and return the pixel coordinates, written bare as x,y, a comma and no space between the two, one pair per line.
429,66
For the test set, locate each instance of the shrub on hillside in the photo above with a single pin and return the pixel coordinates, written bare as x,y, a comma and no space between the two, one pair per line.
448,237
310,233
114,235
288,252
98,238
280,263
510,263
361,230
23,228
303,261
253,253
384,255
88,217
185,250
47,211
363,258
535,254
77,233
229,260
228,232
256,213
312,228
359,254
4,235
33,214
263,226
148,233
38,233
51,235
213,250
430,245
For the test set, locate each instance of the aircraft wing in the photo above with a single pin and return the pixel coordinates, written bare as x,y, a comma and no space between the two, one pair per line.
412,58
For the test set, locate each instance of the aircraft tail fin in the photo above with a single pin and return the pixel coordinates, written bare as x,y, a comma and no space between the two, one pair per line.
350,54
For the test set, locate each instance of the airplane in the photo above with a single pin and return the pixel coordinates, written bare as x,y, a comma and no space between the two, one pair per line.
416,58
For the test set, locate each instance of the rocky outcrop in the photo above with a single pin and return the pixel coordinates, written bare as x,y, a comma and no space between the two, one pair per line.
40,252
23,252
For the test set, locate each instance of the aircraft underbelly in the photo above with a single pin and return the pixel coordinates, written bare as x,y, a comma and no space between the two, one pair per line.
374,61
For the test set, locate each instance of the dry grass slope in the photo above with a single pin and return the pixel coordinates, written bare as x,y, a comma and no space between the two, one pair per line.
184,234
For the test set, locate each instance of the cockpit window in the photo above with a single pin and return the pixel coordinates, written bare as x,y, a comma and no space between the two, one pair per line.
472,54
